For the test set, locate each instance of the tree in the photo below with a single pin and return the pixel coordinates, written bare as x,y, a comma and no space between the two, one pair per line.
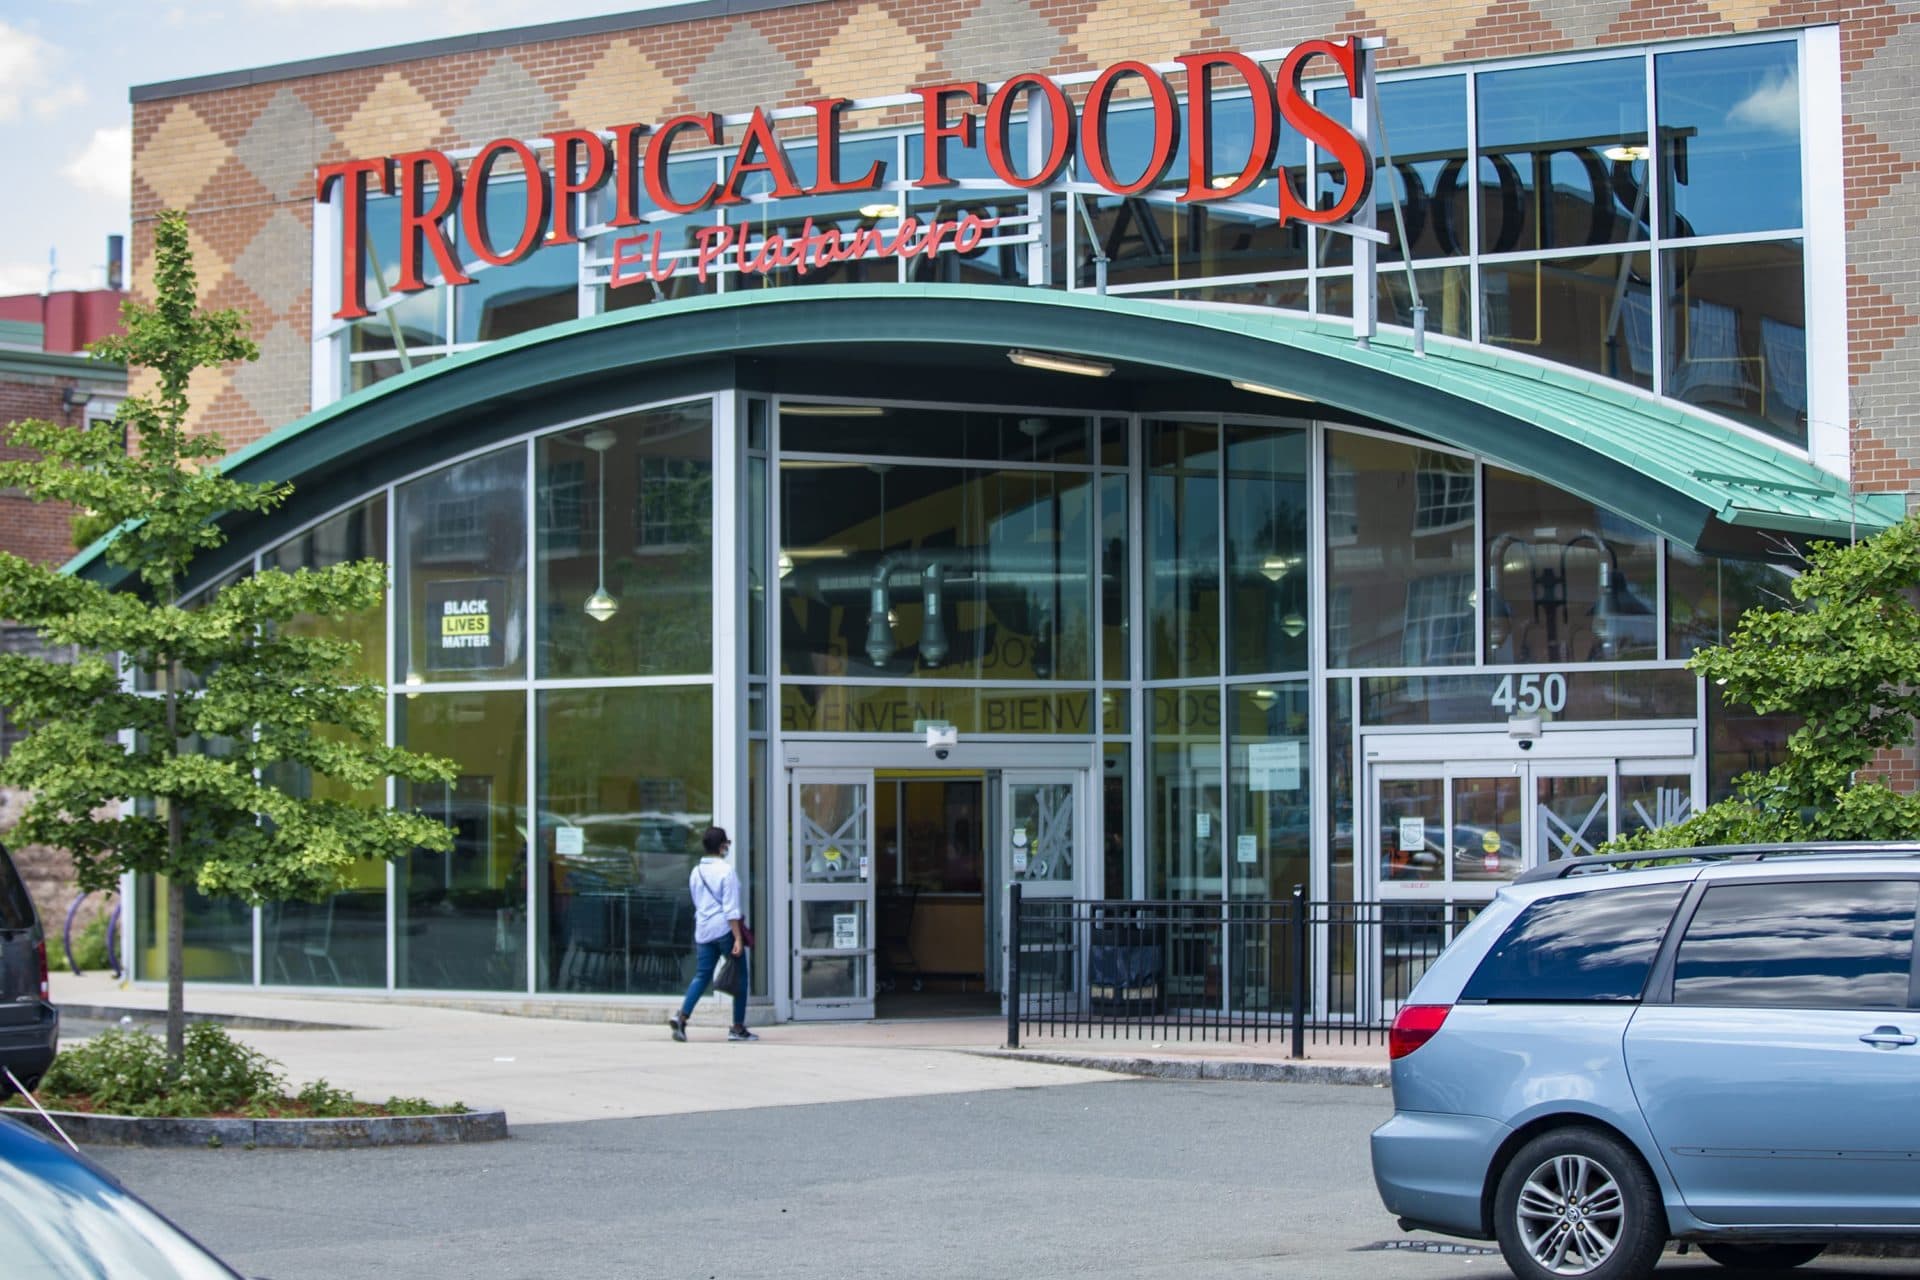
190,782
1845,659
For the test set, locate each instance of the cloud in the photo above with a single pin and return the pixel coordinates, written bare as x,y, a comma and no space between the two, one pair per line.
1774,105
303,6
104,166
24,62
21,277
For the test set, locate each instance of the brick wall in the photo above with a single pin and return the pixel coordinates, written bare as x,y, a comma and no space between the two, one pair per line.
41,532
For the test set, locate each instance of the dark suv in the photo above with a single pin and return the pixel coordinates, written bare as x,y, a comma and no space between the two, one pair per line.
29,1024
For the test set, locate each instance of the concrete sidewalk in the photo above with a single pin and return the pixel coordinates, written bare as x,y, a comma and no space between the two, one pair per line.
543,1069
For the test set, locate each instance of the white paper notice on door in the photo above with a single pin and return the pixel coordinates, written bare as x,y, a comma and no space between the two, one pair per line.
1273,766
846,931
1413,835
1246,849
569,842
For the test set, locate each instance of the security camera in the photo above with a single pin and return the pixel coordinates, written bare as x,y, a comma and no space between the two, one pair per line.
1526,744
940,753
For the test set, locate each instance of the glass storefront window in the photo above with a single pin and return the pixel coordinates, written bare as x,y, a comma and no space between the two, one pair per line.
1736,338
1446,293
1269,795
1185,834
1183,550
1567,581
219,935
1116,819
1268,609
460,571
1425,121
921,431
460,917
1400,546
417,320
657,256
1593,312
358,534
1741,741
1116,577
880,708
1563,155
1729,138
625,793
755,597
626,531
1340,790
935,570
340,941
1707,594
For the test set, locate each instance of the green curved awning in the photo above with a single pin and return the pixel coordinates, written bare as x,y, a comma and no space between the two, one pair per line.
1656,462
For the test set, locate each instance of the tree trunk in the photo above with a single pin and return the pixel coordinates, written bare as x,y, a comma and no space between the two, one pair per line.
176,901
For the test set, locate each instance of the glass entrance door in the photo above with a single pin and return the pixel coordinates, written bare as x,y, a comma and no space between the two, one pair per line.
1040,846
833,899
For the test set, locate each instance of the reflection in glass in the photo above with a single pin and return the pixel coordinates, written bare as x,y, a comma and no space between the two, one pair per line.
642,534
925,570
358,534
1741,741
460,916
219,942
1413,818
1268,609
667,244
916,431
340,941
626,792
1116,577
1270,795
1706,596
460,570
1116,819
1563,155
1400,543
1446,293
418,319
1596,946
1845,944
1567,581
1184,795
1572,816
994,709
1593,313
1425,122
1183,550
542,288
754,600
1486,840
1339,765
1729,138
1736,332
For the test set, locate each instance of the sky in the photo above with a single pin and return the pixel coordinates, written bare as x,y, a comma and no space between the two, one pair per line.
66,67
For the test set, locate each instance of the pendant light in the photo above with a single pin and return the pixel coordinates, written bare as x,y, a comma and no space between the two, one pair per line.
600,605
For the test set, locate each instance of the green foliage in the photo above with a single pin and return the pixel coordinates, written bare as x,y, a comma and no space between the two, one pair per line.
248,712
89,946
1846,659
127,1073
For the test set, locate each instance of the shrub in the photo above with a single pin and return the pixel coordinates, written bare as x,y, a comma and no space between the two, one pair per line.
127,1073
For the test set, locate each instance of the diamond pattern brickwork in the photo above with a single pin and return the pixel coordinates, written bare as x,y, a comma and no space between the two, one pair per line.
241,160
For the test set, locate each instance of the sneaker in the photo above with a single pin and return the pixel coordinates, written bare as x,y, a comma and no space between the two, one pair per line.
678,1025
740,1033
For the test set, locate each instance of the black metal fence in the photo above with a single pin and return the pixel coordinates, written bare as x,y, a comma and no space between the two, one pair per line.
1288,970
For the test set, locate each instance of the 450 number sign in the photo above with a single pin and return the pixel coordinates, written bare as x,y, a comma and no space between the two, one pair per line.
1529,694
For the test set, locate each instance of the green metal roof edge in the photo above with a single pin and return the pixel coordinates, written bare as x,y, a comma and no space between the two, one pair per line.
60,364
1606,422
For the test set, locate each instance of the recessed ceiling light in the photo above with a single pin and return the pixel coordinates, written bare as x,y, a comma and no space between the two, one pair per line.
879,210
1261,389
1625,152
831,410
1060,364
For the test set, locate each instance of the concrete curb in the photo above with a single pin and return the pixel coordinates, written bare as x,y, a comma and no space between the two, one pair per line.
90,1129
238,1021
1203,1068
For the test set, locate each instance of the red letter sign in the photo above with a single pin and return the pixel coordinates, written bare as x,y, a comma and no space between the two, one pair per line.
352,177
1266,133
936,130
1166,129
592,151
473,209
417,224
826,138
655,169
1324,131
1060,130
772,160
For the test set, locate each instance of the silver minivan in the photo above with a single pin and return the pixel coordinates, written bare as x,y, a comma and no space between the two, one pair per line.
1617,1053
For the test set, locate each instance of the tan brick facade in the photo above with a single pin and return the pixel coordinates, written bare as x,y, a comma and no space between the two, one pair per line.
241,160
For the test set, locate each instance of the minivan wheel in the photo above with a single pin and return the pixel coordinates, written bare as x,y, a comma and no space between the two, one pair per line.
1763,1257
1578,1202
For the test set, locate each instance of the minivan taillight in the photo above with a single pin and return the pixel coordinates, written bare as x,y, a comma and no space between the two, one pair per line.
40,954
1413,1026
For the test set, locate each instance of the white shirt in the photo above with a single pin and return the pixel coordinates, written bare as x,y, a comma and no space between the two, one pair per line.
716,898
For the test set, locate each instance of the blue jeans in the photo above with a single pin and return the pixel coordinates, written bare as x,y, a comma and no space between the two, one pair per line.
710,953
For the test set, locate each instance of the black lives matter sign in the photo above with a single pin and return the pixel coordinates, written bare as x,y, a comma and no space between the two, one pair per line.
466,624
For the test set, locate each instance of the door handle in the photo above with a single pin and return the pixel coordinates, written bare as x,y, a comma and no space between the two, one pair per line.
1888,1038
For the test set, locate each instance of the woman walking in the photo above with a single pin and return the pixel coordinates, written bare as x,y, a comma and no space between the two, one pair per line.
717,931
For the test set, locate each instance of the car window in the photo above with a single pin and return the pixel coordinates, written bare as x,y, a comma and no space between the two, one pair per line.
59,1220
1586,946
1811,944
16,909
